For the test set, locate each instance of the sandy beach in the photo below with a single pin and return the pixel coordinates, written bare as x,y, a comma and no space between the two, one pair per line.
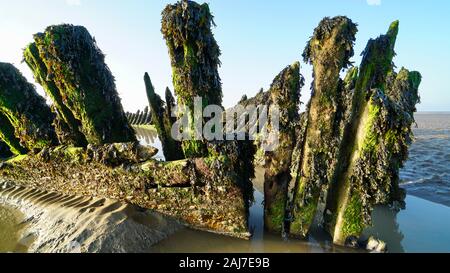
53,223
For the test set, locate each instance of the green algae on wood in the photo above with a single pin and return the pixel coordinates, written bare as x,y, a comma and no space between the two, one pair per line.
25,110
8,137
236,157
75,64
66,125
163,123
375,66
329,51
285,94
375,143
194,54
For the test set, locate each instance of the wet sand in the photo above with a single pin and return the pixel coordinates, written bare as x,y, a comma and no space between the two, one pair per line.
63,224
11,229
50,223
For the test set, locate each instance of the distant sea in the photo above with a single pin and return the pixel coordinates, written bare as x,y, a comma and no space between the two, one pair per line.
427,172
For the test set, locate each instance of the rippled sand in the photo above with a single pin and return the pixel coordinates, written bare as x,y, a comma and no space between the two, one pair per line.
57,223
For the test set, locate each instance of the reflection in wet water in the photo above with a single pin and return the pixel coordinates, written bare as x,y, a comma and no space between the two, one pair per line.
385,226
423,227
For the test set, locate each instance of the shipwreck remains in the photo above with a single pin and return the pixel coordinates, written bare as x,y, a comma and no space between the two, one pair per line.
66,61
202,192
194,53
285,92
163,121
349,144
139,118
332,165
372,144
94,150
329,51
25,110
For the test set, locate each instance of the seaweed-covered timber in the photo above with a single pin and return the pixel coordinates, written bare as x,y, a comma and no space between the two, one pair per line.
329,51
361,138
25,110
284,92
66,125
194,53
376,140
205,193
163,122
65,59
8,137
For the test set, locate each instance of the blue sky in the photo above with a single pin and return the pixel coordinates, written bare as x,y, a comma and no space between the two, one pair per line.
258,39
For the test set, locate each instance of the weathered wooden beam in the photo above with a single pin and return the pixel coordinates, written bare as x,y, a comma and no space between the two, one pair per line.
25,110
375,142
285,94
7,136
163,122
66,125
194,54
329,51
84,83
